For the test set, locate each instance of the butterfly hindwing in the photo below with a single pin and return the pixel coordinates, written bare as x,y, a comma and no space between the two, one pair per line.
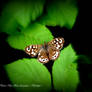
53,53
42,56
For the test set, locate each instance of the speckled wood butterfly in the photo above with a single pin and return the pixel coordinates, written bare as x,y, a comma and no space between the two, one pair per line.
48,51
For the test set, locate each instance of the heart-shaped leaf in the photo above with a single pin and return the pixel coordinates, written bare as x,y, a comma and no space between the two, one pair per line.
29,75
62,13
64,71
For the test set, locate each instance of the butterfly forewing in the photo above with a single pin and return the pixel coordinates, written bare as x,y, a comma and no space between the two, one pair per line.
42,56
32,50
56,43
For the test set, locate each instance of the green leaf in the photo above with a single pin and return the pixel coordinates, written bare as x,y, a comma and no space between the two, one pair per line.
34,34
62,13
8,24
29,75
64,71
20,12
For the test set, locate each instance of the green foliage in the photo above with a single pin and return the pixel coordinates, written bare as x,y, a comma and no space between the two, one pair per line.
30,74
65,74
20,13
34,34
19,21
62,13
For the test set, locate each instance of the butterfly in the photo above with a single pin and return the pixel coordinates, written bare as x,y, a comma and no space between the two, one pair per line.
46,52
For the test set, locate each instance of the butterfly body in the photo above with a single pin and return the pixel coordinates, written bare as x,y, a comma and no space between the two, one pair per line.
48,51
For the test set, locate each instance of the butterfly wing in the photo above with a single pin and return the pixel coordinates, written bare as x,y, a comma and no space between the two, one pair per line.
54,48
53,54
42,56
33,50
50,51
56,43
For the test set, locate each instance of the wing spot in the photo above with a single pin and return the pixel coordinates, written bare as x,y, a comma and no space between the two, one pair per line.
30,46
32,50
28,49
56,39
57,47
42,56
60,41
46,59
34,47
55,56
33,53
39,54
57,43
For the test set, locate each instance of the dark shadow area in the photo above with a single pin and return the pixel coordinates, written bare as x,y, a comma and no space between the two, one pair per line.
58,31
82,43
9,54
5,84
85,75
